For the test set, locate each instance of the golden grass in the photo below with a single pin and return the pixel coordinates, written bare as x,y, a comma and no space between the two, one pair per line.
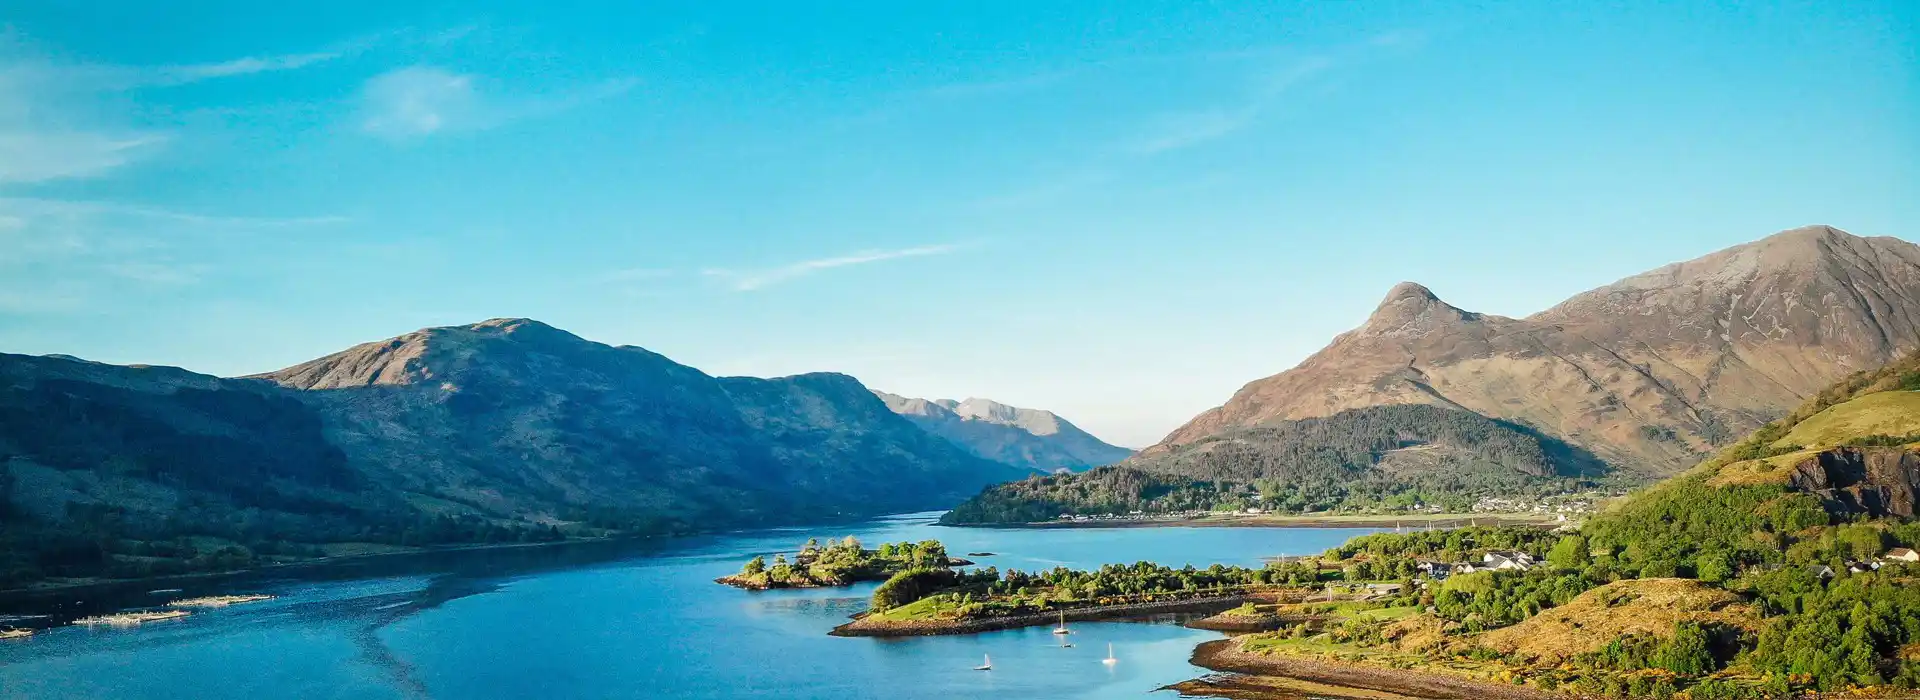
1595,618
1885,413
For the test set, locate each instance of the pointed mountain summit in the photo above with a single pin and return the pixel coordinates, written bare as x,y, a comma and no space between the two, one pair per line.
1412,309
1641,378
1648,372
1023,437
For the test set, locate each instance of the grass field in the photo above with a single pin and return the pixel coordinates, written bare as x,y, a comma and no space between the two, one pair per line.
1886,413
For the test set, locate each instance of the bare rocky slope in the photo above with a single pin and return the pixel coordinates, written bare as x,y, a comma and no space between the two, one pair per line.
1633,381
1649,373
1026,437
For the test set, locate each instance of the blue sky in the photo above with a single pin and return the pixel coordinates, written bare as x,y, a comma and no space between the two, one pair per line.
1120,211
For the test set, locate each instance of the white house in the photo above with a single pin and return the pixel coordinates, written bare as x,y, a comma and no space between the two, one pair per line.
1902,554
1507,561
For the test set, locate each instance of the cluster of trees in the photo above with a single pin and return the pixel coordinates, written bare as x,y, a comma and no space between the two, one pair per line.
1686,527
842,562
1315,464
1848,630
992,592
1448,545
1487,599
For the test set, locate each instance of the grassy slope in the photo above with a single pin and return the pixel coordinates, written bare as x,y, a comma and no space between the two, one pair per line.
1885,413
1753,460
1602,615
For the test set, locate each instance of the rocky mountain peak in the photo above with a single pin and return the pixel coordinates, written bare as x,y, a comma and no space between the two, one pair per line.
1410,307
908,406
1647,373
1009,434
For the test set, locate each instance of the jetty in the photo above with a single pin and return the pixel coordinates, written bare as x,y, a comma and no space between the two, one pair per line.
217,601
128,619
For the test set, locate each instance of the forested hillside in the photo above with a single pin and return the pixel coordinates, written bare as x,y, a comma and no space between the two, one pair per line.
1395,456
503,431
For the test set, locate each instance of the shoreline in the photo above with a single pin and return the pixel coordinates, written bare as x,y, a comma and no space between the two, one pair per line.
1225,656
316,562
1447,521
861,627
30,591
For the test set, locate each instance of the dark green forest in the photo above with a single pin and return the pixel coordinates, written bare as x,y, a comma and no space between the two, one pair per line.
1450,458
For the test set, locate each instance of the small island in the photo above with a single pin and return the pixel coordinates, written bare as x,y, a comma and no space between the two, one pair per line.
129,619
840,563
218,601
939,601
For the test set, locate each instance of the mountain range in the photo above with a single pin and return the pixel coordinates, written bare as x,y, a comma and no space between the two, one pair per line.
505,430
1026,437
1641,377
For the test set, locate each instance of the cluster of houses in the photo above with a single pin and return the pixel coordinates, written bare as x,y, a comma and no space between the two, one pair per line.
1491,561
1131,516
1564,505
1522,561
1897,554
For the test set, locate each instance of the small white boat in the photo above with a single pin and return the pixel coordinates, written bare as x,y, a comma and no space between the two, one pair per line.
986,663
1109,660
1062,629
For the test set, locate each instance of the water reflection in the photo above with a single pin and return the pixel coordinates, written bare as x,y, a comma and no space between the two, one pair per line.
613,620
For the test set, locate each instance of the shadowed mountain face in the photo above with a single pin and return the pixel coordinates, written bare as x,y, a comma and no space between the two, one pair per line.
514,416
495,430
1648,373
1022,437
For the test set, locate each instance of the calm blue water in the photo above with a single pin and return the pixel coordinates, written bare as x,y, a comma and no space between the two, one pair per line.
628,621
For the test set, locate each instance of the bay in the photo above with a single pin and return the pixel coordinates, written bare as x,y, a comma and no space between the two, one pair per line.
622,620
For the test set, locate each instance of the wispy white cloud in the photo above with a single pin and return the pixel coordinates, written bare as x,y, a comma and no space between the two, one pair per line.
419,101
1173,131
155,272
58,120
24,208
170,75
751,280
1264,92
33,155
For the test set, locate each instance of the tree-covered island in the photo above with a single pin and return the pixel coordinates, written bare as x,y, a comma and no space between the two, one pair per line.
840,562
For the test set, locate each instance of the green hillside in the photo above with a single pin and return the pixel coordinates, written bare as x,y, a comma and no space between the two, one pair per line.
1889,414
1764,572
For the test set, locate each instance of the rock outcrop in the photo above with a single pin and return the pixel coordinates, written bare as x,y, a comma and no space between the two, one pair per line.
1873,481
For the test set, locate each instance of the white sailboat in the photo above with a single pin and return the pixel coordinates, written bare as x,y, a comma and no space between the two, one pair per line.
1109,660
1062,629
986,663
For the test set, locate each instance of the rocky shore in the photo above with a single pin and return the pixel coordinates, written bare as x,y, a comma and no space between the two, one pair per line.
1226,656
863,626
1261,622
